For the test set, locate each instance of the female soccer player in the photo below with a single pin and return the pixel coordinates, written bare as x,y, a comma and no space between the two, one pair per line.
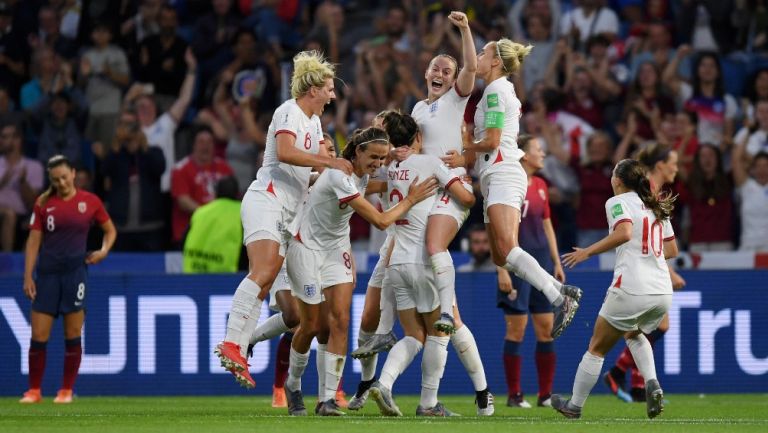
439,118
503,180
515,296
640,293
320,263
294,146
57,240
661,165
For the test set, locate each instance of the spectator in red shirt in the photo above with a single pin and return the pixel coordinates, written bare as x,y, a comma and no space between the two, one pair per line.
686,142
193,181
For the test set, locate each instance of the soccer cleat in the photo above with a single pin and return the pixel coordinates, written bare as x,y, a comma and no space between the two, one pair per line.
229,354
296,403
571,291
278,397
637,395
243,378
655,398
361,396
564,315
565,407
544,401
517,400
445,324
32,396
64,396
484,402
341,399
329,408
383,398
438,410
378,343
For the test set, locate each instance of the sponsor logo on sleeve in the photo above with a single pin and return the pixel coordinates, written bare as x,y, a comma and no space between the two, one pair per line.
617,210
493,100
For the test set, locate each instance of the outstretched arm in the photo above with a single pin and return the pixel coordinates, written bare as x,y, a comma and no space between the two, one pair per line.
187,88
465,82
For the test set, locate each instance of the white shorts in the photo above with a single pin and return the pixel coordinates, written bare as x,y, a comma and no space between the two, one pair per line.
281,283
311,271
506,187
630,313
264,217
377,276
445,204
414,287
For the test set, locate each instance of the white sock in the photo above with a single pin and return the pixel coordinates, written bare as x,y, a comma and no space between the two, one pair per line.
244,307
250,327
642,352
432,368
271,328
334,368
399,358
586,378
445,280
388,311
527,268
320,364
368,364
466,348
298,363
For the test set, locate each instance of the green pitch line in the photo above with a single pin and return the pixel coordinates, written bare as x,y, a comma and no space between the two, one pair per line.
684,413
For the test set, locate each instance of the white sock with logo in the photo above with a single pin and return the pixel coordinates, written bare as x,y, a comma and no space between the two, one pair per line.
445,280
334,368
297,364
388,311
368,365
642,352
245,305
586,378
466,348
269,329
527,268
432,368
399,358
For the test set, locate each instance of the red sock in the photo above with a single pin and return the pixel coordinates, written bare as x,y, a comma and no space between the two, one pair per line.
283,359
341,385
626,361
72,356
545,366
637,380
36,363
512,365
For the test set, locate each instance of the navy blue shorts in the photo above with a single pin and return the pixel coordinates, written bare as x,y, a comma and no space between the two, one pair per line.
61,292
529,299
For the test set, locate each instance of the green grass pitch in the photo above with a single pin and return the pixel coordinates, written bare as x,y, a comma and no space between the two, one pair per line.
683,413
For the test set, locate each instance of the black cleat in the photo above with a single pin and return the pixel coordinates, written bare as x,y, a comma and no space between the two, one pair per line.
655,398
564,315
565,407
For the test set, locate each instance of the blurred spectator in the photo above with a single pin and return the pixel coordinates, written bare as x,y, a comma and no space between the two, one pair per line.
214,241
751,180
144,24
648,100
656,48
479,250
588,19
212,36
49,35
488,17
708,197
69,12
548,11
327,31
705,24
259,69
8,113
132,172
686,142
160,130
535,65
49,75
21,180
751,20
756,134
193,181
104,72
756,90
59,118
12,54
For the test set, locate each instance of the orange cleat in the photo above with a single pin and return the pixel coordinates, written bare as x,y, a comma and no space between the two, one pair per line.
341,399
229,354
32,396
278,397
64,396
244,378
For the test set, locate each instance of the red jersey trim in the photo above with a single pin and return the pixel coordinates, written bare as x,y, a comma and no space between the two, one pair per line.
621,221
451,182
271,189
671,238
402,223
458,92
298,237
350,198
285,131
618,283
499,158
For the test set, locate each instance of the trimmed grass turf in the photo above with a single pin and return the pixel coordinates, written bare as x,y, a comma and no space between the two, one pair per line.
684,413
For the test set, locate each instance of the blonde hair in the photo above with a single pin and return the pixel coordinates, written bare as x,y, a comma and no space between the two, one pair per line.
310,69
511,54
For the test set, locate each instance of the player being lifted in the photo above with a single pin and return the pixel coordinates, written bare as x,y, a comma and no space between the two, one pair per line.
641,290
294,145
320,263
503,181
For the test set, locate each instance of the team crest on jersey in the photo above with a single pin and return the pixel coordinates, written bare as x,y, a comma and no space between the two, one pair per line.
82,207
310,290
542,194
433,108
493,100
616,210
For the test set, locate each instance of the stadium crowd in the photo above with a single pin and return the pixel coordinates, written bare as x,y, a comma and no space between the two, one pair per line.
156,101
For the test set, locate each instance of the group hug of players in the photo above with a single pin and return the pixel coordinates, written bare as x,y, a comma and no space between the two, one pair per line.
296,232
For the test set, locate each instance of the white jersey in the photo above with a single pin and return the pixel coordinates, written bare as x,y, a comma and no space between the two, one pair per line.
498,108
289,183
324,222
410,230
640,266
440,123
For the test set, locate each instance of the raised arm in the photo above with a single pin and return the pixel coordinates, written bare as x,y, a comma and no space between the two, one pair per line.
466,79
187,88
738,163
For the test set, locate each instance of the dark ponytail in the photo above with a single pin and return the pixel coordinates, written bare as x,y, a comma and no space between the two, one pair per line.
362,138
402,128
652,154
53,162
632,175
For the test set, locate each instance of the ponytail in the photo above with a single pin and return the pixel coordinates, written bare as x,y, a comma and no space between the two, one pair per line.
632,175
511,55
361,138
